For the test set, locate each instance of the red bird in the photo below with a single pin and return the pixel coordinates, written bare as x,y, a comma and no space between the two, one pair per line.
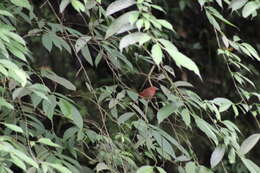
148,92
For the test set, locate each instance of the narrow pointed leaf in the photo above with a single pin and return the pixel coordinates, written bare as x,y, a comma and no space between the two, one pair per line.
217,156
250,8
157,54
132,39
145,169
165,112
251,166
118,6
249,143
237,4
118,23
182,60
63,5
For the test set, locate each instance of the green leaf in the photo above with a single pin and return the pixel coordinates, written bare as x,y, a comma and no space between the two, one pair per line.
206,128
3,71
165,112
49,106
251,50
89,4
143,39
249,143
250,8
180,168
125,28
47,141
232,156
157,7
132,19
214,12
19,75
203,169
77,118
219,101
4,50
154,22
167,44
251,166
165,146
58,167
182,60
237,4
225,41
47,41
145,169
69,133
65,45
213,21
20,92
60,80
66,108
25,158
223,103
118,23
63,5
119,5
56,40
18,162
191,167
101,166
39,87
6,13
4,103
132,39
81,42
132,95
217,156
86,53
157,54
147,25
36,100
219,3
8,64
17,38
139,24
165,24
77,5
40,94
99,57
139,110
230,125
215,109
202,2
173,141
14,127
180,84
22,3
126,116
185,114
16,52
160,170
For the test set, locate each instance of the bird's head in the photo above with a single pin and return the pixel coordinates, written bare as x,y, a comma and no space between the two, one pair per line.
153,88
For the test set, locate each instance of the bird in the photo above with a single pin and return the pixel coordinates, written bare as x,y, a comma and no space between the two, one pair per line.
148,92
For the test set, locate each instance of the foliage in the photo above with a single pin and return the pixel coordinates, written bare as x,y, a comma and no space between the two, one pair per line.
51,123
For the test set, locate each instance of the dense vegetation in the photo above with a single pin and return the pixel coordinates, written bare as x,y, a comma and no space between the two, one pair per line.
129,86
